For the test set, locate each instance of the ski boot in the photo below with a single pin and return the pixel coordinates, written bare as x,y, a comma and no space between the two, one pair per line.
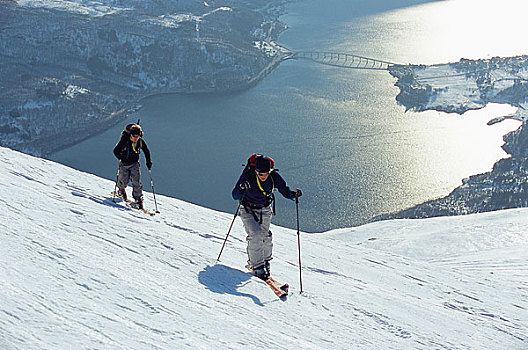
122,193
139,203
261,273
267,267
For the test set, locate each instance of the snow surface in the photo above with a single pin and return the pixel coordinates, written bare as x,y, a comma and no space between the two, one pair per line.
458,88
83,7
79,271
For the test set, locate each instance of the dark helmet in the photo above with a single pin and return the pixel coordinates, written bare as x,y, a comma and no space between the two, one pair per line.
136,130
263,164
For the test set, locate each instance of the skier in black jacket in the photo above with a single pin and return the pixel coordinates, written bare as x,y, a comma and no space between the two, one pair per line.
127,151
254,190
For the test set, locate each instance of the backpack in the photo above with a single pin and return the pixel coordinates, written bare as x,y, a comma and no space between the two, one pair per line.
250,164
125,135
128,128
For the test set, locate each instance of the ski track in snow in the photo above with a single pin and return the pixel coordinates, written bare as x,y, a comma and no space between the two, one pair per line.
79,271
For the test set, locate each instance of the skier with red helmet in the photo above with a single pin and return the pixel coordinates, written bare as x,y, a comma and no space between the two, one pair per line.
254,190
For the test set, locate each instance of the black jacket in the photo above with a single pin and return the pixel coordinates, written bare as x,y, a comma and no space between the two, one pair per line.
260,196
128,152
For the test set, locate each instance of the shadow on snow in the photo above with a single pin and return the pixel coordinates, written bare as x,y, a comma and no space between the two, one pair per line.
223,279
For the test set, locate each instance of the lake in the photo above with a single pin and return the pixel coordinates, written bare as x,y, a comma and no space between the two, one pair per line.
338,134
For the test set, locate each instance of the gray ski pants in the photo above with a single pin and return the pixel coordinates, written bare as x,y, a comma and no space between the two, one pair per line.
259,239
130,173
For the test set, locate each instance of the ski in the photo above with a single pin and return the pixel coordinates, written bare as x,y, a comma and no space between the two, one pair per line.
133,205
280,290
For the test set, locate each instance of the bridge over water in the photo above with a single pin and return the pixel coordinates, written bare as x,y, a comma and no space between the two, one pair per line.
342,60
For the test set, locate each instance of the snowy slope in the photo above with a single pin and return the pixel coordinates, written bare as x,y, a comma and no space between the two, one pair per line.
78,271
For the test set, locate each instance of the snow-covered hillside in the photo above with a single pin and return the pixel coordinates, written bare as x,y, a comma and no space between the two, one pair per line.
78,271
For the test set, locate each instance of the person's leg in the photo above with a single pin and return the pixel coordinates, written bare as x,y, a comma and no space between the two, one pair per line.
123,176
137,186
267,238
254,238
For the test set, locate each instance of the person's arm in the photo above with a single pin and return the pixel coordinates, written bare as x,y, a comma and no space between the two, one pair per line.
280,184
120,148
148,160
240,187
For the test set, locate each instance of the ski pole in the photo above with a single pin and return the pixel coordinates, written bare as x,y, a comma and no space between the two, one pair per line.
298,240
153,192
115,187
228,231
231,226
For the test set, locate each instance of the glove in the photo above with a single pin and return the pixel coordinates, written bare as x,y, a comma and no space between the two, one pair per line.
149,165
245,186
296,193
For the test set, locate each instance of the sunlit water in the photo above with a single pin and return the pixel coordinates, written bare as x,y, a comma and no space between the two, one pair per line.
336,133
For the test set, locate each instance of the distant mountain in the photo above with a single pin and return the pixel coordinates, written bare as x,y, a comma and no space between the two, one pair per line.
70,69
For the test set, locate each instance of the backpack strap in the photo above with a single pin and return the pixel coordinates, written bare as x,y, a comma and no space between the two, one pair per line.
138,149
267,194
270,193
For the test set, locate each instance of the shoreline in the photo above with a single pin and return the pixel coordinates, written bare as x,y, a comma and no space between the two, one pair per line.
102,66
459,87
116,117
